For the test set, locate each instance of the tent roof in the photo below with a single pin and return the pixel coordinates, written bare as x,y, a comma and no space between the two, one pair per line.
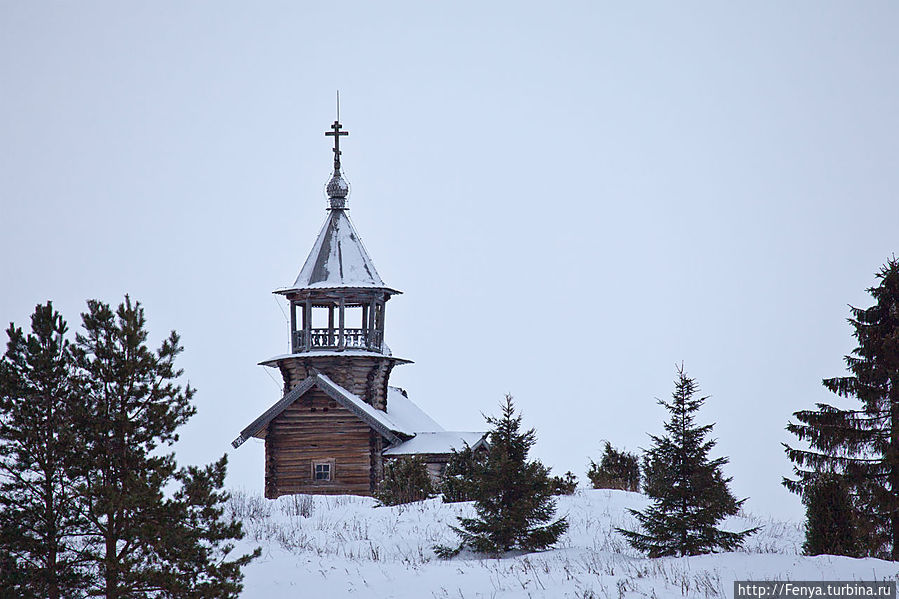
338,259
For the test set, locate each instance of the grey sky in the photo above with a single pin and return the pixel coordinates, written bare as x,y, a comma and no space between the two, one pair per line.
573,197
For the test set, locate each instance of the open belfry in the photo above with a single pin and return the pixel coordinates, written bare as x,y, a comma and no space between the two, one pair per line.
339,419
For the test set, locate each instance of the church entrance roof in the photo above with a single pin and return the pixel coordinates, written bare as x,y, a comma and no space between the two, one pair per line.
376,419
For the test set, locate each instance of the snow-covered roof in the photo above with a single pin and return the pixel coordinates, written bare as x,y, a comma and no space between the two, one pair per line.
437,442
338,259
378,420
404,412
405,425
363,409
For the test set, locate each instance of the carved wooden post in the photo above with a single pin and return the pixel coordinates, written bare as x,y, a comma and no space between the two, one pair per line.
364,324
307,324
383,308
331,325
341,340
370,338
293,327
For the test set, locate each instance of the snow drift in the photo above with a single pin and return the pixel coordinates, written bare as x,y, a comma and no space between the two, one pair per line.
345,546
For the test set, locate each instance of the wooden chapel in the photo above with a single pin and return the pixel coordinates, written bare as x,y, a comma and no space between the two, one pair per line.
339,418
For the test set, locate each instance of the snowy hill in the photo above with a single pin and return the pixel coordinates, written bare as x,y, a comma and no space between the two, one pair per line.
344,546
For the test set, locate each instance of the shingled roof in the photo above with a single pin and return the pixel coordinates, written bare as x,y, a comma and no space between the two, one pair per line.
406,426
338,259
378,420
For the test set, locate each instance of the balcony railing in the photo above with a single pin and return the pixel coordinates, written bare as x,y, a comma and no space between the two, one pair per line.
330,339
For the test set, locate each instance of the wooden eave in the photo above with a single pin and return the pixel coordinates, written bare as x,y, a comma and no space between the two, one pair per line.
327,294
346,353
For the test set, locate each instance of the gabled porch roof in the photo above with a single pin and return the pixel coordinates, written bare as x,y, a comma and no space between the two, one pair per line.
376,419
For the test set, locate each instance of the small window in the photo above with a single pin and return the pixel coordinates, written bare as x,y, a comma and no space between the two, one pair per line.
321,471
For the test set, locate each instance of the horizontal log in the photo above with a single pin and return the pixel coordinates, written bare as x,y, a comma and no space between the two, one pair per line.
318,419
310,428
341,457
323,453
284,483
321,444
320,491
298,483
307,483
305,463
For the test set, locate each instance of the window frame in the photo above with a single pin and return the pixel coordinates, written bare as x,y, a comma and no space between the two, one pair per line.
329,462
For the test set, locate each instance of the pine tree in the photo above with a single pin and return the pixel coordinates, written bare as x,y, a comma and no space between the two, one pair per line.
141,541
198,538
830,519
689,492
39,518
513,497
405,480
861,446
616,470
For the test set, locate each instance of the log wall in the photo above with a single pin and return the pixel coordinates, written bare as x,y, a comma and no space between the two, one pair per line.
316,429
298,437
364,376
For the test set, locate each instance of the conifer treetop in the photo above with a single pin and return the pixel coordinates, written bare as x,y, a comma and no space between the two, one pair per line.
689,491
860,444
513,497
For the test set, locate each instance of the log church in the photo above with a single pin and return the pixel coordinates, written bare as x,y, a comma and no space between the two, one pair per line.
339,419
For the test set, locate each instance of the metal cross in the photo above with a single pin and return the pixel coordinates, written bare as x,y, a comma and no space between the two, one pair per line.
336,133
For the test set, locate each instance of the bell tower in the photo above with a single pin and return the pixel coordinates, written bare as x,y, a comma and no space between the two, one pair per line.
338,420
337,309
337,305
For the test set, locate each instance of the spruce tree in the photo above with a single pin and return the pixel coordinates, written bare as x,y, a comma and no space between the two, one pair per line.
513,497
458,482
40,522
689,492
142,541
861,445
830,525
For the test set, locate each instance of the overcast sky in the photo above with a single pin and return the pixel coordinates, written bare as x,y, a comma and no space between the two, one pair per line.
574,197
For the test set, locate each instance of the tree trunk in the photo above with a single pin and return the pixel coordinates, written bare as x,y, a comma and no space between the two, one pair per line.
111,575
52,538
893,456
53,582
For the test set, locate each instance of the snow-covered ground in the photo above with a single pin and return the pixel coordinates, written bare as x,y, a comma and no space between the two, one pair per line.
344,546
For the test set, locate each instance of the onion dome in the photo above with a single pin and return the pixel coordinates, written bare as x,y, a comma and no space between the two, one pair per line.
337,190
